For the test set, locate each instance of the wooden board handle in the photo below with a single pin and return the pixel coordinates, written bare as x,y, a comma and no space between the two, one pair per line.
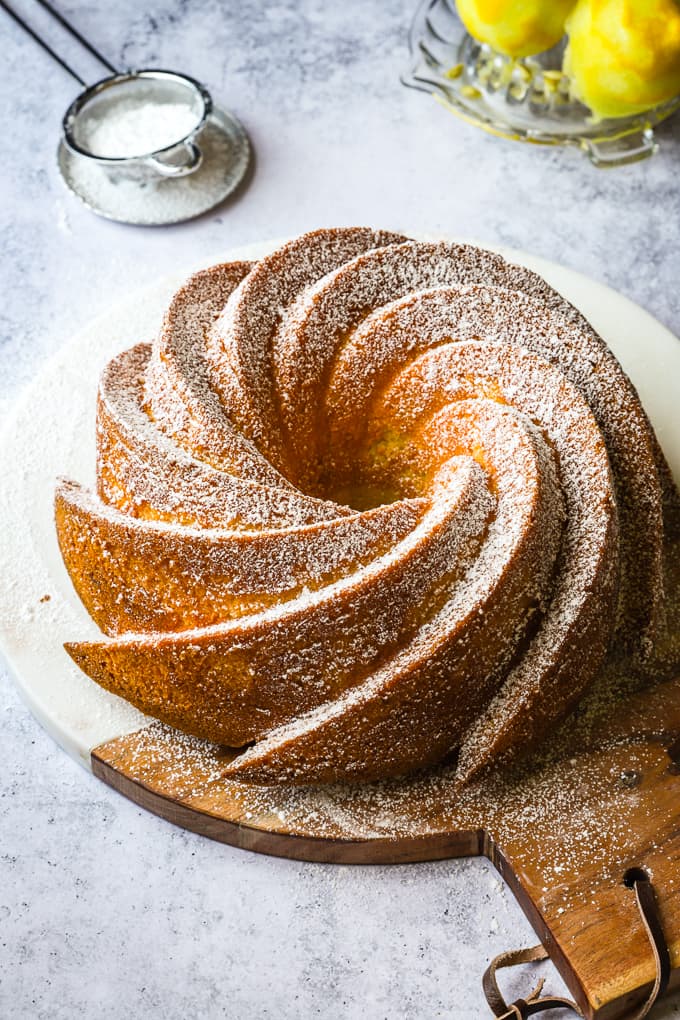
563,837
585,914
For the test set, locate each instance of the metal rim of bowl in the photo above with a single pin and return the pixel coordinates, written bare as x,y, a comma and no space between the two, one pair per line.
159,74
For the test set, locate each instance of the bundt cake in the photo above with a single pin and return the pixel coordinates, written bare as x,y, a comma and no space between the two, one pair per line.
363,504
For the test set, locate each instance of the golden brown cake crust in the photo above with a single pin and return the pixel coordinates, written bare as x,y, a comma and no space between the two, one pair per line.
364,503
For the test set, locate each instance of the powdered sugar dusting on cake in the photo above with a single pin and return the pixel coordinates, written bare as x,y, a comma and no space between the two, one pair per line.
365,503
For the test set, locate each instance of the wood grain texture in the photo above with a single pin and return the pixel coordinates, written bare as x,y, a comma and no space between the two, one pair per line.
562,835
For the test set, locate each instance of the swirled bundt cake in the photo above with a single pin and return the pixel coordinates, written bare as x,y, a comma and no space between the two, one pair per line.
363,504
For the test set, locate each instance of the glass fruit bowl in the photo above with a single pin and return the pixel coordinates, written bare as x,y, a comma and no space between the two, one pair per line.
528,99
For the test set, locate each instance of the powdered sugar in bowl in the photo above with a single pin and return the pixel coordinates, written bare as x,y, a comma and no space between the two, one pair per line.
141,125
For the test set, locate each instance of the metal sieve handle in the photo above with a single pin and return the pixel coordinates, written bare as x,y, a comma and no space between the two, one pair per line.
194,160
85,43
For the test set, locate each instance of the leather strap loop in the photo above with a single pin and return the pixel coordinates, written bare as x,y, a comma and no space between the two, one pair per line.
520,1009
649,911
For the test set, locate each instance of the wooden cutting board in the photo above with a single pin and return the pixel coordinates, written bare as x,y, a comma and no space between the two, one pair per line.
562,833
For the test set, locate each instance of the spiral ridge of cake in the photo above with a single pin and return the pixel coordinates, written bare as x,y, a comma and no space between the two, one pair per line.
365,504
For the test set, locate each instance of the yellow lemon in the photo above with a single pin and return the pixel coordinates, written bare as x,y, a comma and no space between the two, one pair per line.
516,27
624,55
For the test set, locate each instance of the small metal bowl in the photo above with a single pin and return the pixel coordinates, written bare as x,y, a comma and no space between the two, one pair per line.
177,159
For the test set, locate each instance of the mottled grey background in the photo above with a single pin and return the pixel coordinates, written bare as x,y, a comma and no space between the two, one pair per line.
105,910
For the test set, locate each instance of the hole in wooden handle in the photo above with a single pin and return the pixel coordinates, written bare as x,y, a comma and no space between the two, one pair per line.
633,875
